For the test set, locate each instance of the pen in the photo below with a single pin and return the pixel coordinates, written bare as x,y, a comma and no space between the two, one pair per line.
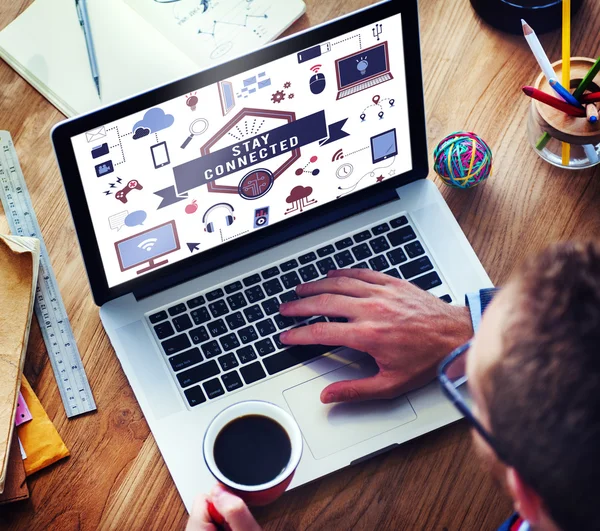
554,102
564,93
84,21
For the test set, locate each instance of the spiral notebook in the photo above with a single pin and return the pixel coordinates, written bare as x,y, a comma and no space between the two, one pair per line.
139,44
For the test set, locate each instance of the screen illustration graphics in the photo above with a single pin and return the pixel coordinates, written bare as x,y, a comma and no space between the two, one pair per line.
232,158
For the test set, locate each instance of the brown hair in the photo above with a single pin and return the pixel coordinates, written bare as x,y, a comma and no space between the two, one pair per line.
544,397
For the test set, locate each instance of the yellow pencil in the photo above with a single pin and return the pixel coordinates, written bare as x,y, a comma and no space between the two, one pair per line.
566,65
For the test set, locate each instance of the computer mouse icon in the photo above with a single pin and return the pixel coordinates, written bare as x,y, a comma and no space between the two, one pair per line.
317,83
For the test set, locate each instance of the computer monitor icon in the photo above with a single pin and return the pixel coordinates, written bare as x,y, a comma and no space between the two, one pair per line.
363,70
147,246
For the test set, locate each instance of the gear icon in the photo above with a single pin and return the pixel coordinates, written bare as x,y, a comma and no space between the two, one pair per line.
278,97
287,85
291,97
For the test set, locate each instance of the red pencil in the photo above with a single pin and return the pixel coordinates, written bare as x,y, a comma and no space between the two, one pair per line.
590,98
536,94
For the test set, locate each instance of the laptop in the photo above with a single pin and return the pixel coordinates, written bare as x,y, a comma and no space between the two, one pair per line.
197,222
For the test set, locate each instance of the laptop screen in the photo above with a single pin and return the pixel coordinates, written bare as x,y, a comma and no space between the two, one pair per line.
194,172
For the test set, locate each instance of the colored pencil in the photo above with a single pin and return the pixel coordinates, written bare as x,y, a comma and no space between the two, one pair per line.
566,65
546,98
538,51
592,97
590,152
589,77
564,93
591,112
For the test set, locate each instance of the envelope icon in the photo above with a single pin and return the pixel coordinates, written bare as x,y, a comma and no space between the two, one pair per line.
95,134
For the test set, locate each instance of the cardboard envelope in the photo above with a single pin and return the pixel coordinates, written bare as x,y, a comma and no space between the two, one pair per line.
95,134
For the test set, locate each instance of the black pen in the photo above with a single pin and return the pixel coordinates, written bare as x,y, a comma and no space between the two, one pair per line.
84,20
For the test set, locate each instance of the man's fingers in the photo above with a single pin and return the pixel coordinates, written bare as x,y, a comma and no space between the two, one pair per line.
325,304
340,285
199,518
234,510
366,275
331,334
375,387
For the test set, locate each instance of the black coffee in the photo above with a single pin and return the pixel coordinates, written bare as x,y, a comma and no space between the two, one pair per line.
252,450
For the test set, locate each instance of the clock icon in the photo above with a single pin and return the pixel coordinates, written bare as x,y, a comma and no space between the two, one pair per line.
344,171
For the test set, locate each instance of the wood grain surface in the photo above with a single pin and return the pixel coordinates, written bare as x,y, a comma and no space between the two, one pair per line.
116,479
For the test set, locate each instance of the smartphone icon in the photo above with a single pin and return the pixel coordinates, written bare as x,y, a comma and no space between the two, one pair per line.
160,155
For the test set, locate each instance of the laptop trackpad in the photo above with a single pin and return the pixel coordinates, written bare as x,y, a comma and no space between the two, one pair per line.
329,428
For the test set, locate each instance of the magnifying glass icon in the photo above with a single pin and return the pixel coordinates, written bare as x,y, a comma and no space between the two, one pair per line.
197,127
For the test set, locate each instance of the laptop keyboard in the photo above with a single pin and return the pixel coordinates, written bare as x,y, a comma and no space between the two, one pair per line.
364,86
221,340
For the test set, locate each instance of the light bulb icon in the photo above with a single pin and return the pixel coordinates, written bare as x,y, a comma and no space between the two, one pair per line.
192,101
362,65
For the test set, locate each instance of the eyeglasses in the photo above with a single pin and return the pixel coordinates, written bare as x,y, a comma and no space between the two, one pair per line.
453,379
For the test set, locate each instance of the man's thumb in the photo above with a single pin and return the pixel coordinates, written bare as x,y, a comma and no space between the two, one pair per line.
357,390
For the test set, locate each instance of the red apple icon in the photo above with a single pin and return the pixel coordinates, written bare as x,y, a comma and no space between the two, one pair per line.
192,207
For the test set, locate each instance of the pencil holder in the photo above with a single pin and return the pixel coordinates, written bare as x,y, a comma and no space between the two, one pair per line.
548,128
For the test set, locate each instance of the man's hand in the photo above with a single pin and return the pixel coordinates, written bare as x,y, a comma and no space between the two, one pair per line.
235,512
407,330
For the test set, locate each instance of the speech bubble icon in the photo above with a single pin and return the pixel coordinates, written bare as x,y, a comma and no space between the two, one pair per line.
118,220
136,218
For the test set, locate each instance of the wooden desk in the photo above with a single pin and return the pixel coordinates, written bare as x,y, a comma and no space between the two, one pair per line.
116,477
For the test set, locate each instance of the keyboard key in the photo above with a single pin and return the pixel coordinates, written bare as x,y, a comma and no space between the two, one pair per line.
446,298
158,317
232,288
254,313
195,302
195,396
380,229
399,222
344,244
255,294
326,265
232,381
360,265
325,251
217,328
397,256
266,327
278,343
294,356
289,265
308,273
200,316
211,349
270,273
213,388
251,280
289,296
379,245
283,322
235,320
306,258
400,236
248,334
317,320
176,344
271,306
362,236
265,347
198,374
290,280
182,323
199,335
379,263
229,342
163,330
253,372
218,308
361,251
416,267
236,301
186,359
246,354
393,273
228,362
214,295
428,281
414,249
176,310
344,259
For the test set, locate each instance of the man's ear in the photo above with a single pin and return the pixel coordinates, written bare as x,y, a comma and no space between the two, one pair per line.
527,502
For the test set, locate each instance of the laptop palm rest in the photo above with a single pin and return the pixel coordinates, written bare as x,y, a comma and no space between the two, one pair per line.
328,428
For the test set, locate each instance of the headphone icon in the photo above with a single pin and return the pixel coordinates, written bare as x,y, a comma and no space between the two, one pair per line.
229,218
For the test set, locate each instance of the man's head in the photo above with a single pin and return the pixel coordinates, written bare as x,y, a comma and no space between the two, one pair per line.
534,374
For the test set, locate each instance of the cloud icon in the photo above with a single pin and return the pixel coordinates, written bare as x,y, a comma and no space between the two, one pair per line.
141,132
298,193
156,120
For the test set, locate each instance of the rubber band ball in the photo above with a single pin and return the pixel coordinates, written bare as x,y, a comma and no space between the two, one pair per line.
463,160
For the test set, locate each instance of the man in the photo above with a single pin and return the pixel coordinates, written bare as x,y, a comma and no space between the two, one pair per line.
533,373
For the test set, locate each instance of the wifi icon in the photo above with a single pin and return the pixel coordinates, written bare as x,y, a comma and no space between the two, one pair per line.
148,244
316,68
339,154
